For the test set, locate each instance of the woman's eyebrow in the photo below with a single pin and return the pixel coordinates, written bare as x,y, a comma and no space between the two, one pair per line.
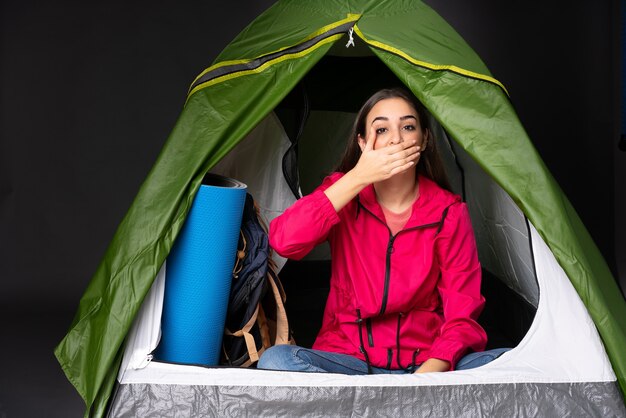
386,118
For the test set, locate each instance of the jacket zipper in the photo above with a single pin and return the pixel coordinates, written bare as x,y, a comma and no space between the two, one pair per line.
392,238
370,336
383,305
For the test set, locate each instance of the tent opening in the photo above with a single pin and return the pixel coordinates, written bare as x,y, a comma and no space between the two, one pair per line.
317,117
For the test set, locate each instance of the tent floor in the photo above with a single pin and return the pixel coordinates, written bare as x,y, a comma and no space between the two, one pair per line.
506,317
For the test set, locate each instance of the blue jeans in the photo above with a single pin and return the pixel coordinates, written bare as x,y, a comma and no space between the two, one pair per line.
295,358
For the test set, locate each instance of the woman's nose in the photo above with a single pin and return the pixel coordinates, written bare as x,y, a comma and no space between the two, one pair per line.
396,138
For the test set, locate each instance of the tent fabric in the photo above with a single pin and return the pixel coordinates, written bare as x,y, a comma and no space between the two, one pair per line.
562,345
426,55
497,219
498,400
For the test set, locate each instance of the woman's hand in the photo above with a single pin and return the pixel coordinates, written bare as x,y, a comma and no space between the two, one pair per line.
376,165
433,365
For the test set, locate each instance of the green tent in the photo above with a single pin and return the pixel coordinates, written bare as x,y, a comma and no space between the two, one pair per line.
263,67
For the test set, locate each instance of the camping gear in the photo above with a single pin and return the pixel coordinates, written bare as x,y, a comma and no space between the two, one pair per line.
282,94
199,274
256,318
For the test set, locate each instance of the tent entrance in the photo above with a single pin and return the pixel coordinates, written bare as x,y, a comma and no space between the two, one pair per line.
317,117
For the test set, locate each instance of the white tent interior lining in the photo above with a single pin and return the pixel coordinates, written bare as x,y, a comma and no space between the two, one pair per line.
562,344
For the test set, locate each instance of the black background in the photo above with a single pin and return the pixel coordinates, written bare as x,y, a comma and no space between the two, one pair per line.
90,92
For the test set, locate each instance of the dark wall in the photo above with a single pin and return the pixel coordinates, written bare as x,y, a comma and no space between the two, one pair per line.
619,159
90,93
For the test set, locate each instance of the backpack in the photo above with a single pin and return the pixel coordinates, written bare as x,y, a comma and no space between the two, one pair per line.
256,318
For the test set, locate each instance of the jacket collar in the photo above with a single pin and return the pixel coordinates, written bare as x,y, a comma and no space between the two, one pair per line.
427,208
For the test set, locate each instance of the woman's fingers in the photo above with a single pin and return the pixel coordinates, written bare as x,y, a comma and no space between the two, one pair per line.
384,162
401,168
370,139
403,159
400,147
400,153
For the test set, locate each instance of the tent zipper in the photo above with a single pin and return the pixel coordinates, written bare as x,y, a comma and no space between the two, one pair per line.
145,361
223,70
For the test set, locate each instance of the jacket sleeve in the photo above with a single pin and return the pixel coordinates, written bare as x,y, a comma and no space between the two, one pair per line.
459,288
305,224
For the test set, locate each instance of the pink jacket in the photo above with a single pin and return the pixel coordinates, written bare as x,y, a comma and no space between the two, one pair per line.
394,301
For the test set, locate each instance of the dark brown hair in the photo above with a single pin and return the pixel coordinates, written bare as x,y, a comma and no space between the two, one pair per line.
430,164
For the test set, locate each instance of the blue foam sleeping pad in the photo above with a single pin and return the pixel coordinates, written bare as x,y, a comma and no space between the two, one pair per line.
199,274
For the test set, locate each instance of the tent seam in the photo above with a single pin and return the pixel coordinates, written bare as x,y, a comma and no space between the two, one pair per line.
264,66
351,18
431,66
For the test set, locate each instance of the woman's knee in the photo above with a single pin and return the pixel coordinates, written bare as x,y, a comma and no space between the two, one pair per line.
478,359
278,357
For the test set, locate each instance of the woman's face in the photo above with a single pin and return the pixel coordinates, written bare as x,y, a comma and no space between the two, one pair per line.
392,121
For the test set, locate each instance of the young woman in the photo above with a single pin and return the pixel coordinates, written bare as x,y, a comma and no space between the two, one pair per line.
405,284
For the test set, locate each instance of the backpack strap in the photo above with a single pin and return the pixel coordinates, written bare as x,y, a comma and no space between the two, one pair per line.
245,333
264,329
282,325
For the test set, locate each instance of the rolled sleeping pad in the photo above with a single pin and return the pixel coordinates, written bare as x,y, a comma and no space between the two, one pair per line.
199,274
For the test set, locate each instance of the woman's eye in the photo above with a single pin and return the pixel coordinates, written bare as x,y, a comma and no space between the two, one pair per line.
381,131
410,127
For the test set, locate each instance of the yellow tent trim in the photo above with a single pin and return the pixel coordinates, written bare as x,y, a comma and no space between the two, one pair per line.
412,60
265,65
351,18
